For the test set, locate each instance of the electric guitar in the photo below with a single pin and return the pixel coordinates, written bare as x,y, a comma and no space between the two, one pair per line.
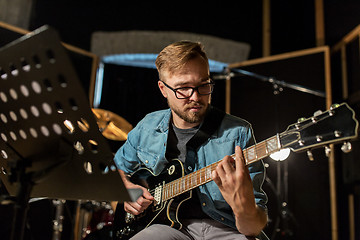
172,187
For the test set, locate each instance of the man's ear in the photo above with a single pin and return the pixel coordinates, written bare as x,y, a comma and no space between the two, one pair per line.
161,87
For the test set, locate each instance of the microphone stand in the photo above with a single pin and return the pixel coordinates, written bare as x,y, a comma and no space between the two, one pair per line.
277,84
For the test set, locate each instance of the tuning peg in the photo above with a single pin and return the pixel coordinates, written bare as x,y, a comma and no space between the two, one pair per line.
346,147
337,133
333,106
327,151
317,113
310,155
301,120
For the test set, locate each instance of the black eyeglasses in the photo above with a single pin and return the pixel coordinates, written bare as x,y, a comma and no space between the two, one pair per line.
186,92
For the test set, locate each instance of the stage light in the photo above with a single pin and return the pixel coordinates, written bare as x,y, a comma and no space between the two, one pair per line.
281,155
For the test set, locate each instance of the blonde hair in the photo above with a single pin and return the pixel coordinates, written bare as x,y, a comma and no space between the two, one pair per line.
173,57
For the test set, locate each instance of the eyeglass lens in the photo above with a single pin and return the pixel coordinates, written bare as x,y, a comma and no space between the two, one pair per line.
186,92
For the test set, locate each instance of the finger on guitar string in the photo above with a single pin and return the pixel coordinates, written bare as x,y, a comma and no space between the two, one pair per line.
147,195
225,167
228,164
240,162
220,172
215,177
239,157
139,206
143,202
133,208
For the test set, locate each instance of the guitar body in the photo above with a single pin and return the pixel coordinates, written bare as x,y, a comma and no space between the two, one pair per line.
164,212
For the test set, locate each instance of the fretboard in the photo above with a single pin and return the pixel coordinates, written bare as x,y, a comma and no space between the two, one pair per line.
202,176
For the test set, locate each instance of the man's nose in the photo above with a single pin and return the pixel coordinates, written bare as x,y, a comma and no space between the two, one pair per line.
195,96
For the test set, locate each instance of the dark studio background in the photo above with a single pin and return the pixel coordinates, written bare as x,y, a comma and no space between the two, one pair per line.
129,93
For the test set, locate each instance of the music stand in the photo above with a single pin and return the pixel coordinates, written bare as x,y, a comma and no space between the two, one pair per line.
50,144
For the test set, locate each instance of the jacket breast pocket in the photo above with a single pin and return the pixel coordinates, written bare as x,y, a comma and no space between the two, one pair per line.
148,159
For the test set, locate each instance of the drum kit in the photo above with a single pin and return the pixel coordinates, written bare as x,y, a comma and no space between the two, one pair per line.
97,218
93,220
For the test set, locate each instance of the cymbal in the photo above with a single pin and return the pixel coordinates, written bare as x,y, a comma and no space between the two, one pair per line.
111,125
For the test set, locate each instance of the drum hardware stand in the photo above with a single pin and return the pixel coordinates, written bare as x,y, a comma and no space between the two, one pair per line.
50,144
281,189
59,217
284,231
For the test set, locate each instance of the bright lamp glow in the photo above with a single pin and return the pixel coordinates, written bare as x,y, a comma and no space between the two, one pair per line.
281,155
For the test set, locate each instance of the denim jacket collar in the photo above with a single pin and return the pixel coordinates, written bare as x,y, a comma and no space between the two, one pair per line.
164,124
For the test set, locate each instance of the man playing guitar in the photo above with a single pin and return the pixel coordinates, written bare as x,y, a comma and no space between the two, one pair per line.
233,205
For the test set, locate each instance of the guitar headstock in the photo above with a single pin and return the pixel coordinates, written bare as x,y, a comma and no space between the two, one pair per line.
338,124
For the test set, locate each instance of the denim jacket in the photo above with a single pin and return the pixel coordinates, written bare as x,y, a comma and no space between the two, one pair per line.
146,146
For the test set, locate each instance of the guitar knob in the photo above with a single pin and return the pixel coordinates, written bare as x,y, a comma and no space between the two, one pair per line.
346,147
127,230
129,217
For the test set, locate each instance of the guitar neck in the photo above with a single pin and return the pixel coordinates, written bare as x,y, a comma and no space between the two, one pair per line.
202,176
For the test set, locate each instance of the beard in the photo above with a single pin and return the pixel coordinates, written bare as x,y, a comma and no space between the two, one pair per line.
189,116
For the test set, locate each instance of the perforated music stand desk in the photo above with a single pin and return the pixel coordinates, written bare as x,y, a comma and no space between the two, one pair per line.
48,134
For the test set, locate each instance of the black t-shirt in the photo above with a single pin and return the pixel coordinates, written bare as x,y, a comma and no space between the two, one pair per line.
176,149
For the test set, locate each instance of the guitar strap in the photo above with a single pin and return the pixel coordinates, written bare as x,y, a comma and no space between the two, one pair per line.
211,123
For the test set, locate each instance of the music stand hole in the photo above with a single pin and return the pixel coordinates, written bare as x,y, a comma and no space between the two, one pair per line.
33,132
3,118
48,85
13,135
23,113
36,87
51,56
3,74
24,90
104,169
4,137
62,81
13,70
13,116
36,60
83,125
69,125
45,131
3,97
35,111
4,154
73,104
13,94
79,147
57,129
59,107
46,107
93,146
22,134
25,65
88,167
